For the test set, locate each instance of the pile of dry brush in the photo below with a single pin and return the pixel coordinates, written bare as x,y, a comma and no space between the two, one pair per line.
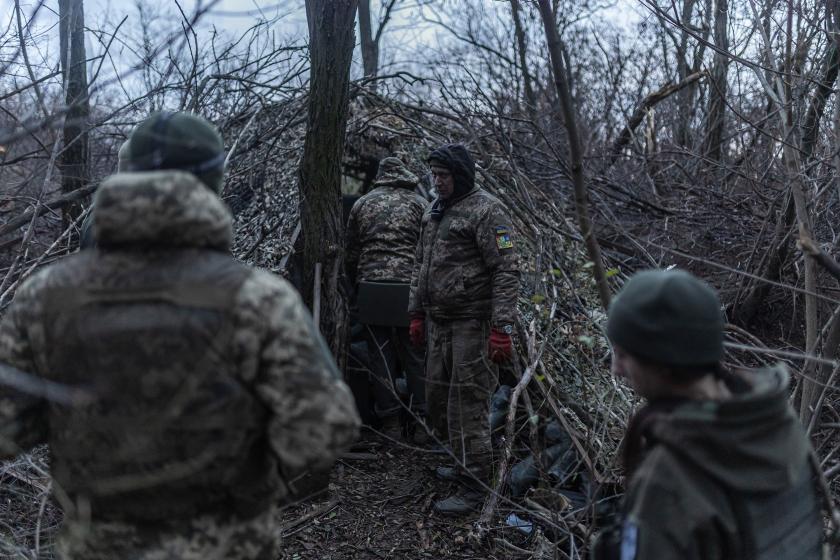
562,370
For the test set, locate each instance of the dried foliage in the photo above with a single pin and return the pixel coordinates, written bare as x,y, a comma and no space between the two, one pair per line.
670,182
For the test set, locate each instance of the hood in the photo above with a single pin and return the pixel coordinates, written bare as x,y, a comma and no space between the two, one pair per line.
160,209
457,159
393,173
751,442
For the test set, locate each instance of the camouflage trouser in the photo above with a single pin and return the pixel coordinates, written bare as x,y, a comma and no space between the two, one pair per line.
390,353
202,538
460,379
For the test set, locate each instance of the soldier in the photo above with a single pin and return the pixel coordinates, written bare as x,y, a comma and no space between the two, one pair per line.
382,233
717,464
86,230
209,385
463,293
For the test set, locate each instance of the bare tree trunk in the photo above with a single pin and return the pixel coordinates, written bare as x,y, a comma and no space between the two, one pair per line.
331,41
715,123
561,82
778,248
811,127
685,98
775,259
370,48
780,92
371,38
522,52
74,157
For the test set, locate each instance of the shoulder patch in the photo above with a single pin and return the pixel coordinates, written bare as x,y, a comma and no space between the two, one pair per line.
629,540
503,237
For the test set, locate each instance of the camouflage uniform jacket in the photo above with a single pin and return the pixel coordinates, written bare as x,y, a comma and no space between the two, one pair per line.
722,480
382,233
209,381
465,265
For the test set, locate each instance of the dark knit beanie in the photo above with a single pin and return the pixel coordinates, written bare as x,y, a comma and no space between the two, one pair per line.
669,317
176,140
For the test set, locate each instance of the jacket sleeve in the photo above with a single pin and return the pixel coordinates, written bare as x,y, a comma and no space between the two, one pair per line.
23,422
415,305
313,415
497,242
353,244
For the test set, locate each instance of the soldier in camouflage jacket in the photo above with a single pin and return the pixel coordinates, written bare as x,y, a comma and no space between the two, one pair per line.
465,284
209,387
717,464
382,233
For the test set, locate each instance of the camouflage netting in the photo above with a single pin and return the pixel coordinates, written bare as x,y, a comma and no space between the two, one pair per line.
560,331
560,316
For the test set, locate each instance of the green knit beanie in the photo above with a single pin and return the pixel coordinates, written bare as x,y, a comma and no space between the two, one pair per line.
170,140
669,317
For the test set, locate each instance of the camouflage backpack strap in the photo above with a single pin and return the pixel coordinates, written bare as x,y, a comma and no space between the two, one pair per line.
185,294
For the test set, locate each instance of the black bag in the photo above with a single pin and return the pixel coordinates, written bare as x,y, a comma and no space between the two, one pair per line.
384,304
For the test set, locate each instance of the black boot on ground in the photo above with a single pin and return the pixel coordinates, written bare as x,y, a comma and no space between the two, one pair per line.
449,474
468,498
391,428
462,502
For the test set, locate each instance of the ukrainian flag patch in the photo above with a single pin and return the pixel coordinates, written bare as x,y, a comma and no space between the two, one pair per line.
503,237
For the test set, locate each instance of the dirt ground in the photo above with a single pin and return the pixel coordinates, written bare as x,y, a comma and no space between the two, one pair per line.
379,505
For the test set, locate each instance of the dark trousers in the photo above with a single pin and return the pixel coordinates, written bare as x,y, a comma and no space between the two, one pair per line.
460,379
391,354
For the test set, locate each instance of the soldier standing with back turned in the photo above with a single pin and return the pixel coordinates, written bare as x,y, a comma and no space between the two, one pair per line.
210,387
382,233
717,464
463,292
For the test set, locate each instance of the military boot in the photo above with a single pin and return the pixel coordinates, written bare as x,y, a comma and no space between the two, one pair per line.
449,474
464,501
468,498
416,431
390,427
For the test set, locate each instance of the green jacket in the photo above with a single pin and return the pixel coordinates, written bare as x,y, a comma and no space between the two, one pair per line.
466,265
722,480
382,232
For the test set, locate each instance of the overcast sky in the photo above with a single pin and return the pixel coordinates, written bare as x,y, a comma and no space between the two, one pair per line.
407,36
233,17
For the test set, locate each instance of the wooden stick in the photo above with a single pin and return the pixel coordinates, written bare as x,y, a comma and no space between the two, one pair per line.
316,298
43,208
807,246
285,258
534,356
648,102
289,529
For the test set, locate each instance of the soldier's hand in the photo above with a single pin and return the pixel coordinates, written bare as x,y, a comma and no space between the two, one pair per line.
500,347
417,330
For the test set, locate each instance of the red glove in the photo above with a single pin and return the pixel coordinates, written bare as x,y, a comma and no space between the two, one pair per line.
500,347
417,330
